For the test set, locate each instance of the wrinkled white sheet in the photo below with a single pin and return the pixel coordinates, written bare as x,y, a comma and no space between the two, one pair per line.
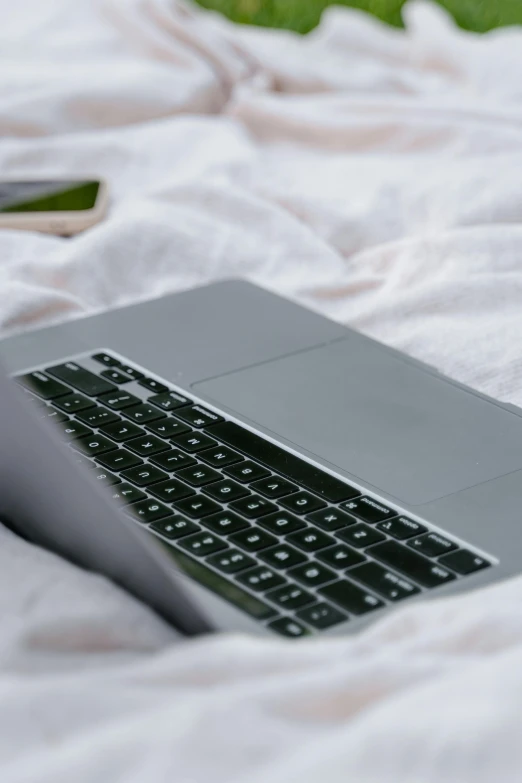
369,173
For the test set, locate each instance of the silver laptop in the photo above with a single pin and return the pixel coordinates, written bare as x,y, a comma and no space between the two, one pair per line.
241,463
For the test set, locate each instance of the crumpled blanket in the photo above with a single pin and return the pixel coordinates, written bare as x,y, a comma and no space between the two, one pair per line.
369,173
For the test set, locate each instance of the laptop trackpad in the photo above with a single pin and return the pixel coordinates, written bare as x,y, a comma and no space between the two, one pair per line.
379,418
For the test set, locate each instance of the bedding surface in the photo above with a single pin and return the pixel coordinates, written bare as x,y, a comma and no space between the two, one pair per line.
369,173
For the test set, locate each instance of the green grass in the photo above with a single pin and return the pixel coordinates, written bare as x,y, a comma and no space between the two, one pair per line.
304,15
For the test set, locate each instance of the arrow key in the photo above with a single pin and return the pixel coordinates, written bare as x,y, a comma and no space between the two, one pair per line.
119,400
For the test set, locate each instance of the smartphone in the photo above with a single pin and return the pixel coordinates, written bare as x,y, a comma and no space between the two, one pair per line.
59,206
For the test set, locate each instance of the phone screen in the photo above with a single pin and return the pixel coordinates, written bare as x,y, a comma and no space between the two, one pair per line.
48,196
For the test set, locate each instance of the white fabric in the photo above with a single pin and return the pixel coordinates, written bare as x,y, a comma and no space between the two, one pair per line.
371,174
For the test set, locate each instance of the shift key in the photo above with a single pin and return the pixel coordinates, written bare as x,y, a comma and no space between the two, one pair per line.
410,563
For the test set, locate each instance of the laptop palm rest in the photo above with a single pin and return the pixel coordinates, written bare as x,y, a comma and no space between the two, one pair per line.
386,421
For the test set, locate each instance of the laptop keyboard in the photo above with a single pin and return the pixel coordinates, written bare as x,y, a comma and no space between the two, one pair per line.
291,545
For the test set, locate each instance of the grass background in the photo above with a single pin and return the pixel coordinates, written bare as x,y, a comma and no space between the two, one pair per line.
304,15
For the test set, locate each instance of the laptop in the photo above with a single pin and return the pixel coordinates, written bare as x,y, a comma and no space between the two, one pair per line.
241,463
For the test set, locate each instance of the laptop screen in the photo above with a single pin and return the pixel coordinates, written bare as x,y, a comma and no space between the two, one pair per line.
47,499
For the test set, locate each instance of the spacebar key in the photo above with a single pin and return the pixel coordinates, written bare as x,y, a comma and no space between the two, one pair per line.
410,563
276,458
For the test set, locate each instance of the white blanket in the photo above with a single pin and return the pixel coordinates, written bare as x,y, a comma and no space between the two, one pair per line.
373,175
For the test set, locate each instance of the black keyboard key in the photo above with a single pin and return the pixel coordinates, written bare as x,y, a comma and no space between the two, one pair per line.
224,523
119,400
169,401
246,472
115,376
310,540
199,475
432,545
402,528
126,493
290,597
193,442
274,487
410,563
136,375
260,579
225,588
153,386
173,460
73,403
198,507
146,445
106,359
226,490
283,556
120,431
149,510
253,507
464,562
302,503
98,417
119,460
331,519
312,574
198,417
174,527
144,475
83,461
231,562
368,509
285,626
52,415
322,616
350,597
202,544
142,414
387,583
220,457
276,458
45,387
253,540
171,490
360,535
37,404
341,557
281,523
81,379
167,428
104,476
92,445
74,429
